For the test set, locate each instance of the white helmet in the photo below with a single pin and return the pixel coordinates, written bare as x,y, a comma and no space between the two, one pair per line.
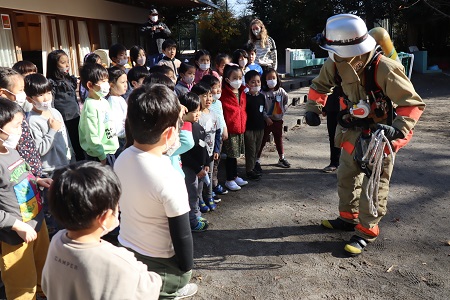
346,35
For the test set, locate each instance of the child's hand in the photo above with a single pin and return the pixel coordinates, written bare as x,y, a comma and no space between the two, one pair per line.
216,156
201,174
54,124
206,168
269,121
25,231
44,182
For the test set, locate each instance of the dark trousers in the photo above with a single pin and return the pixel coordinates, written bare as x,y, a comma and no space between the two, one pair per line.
331,127
277,130
231,168
110,159
192,183
72,129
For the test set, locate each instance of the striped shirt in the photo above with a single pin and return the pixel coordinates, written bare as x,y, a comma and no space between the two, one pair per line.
267,53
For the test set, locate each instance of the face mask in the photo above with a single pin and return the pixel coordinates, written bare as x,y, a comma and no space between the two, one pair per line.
43,105
243,62
12,140
174,147
256,32
189,80
123,62
20,98
216,96
271,83
116,223
141,61
204,67
255,89
104,89
236,84
154,19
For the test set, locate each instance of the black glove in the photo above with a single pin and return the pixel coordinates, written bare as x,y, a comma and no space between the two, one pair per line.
312,119
391,132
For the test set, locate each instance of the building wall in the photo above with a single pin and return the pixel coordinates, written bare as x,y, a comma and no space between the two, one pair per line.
90,9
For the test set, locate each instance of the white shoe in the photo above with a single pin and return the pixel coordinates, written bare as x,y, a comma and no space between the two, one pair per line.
188,290
232,185
239,181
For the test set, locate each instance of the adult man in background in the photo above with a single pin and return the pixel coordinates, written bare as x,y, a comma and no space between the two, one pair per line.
155,33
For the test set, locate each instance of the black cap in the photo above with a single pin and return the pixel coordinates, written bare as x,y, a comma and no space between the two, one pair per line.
153,11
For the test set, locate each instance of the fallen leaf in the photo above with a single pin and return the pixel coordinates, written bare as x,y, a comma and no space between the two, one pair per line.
199,278
390,268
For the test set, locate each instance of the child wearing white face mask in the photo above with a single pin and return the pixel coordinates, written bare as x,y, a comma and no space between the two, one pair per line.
97,130
186,80
202,60
84,199
276,106
47,125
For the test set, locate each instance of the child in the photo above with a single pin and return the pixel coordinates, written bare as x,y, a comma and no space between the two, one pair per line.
233,102
251,51
137,75
137,56
25,68
185,82
216,107
276,106
154,211
240,57
118,54
47,125
256,115
159,78
64,96
195,163
12,88
209,121
221,60
90,58
169,48
118,86
23,232
202,61
84,199
97,130
166,70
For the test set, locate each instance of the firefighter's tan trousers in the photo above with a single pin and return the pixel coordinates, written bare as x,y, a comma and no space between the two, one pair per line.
352,184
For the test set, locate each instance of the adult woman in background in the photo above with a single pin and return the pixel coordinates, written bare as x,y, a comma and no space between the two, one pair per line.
266,50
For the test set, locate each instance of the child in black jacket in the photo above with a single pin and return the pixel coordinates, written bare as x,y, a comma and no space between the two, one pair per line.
195,163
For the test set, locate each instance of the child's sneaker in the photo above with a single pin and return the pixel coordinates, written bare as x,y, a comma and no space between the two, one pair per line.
283,163
258,168
220,190
252,175
232,185
203,207
211,204
240,182
201,219
217,199
188,290
200,227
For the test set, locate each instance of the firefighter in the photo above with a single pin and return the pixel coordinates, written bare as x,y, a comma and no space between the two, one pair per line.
372,84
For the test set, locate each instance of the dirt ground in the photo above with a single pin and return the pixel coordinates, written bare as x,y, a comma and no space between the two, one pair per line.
265,241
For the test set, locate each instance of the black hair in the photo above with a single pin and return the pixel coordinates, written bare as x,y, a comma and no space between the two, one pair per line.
201,88
162,69
169,43
91,58
199,54
114,73
53,72
8,109
25,67
249,47
210,80
250,74
137,73
220,58
6,75
184,67
37,84
115,49
227,72
237,54
93,73
151,110
191,101
134,53
264,86
81,192
159,78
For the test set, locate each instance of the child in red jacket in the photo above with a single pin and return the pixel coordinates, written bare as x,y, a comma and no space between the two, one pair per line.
233,104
